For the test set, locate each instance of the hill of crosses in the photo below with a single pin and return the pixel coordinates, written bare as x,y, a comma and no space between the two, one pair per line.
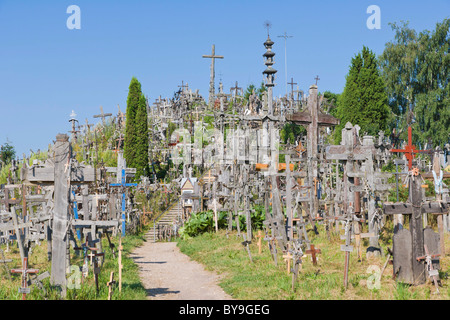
265,169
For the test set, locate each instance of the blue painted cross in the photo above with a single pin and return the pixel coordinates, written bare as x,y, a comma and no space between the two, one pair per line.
75,212
123,184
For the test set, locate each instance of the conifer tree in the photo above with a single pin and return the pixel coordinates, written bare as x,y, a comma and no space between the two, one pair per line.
134,94
364,100
142,145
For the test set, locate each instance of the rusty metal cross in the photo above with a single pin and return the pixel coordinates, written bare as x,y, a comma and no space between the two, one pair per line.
24,271
410,149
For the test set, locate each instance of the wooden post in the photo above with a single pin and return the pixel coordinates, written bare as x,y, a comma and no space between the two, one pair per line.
259,236
287,257
110,284
440,220
120,264
416,228
61,211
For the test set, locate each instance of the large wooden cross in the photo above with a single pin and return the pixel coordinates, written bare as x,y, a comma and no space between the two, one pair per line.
409,244
102,115
313,119
213,57
292,87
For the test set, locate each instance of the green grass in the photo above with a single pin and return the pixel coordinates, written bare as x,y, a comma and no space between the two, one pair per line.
132,288
263,280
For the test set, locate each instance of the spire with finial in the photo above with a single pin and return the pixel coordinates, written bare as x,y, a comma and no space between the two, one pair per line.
269,72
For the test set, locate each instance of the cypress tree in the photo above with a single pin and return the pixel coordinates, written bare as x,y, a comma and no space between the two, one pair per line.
142,145
364,101
134,94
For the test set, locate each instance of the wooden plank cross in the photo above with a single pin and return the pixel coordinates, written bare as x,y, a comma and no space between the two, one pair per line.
110,284
213,57
409,244
102,115
313,251
313,118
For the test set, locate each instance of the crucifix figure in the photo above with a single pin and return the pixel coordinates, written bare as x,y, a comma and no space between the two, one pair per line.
213,57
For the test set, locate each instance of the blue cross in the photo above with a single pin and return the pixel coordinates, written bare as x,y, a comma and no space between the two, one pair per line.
123,185
75,212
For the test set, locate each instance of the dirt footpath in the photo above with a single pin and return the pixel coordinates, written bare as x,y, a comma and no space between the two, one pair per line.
168,274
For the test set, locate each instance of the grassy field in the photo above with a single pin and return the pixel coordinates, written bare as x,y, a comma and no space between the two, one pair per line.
262,280
132,288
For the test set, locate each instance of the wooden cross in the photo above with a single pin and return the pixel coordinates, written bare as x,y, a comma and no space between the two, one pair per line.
292,87
245,243
313,252
102,115
260,237
410,150
183,86
5,261
93,255
110,284
272,246
431,271
9,201
287,257
24,271
313,119
409,244
213,57
236,89
317,79
120,264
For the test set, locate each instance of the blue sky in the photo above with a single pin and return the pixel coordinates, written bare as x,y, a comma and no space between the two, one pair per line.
47,70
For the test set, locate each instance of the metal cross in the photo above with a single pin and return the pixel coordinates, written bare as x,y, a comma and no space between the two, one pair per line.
410,149
285,36
24,271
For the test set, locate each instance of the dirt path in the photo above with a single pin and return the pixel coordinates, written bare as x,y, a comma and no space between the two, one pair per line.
168,274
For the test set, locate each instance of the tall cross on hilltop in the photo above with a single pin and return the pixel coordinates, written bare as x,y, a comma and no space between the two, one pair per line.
213,57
